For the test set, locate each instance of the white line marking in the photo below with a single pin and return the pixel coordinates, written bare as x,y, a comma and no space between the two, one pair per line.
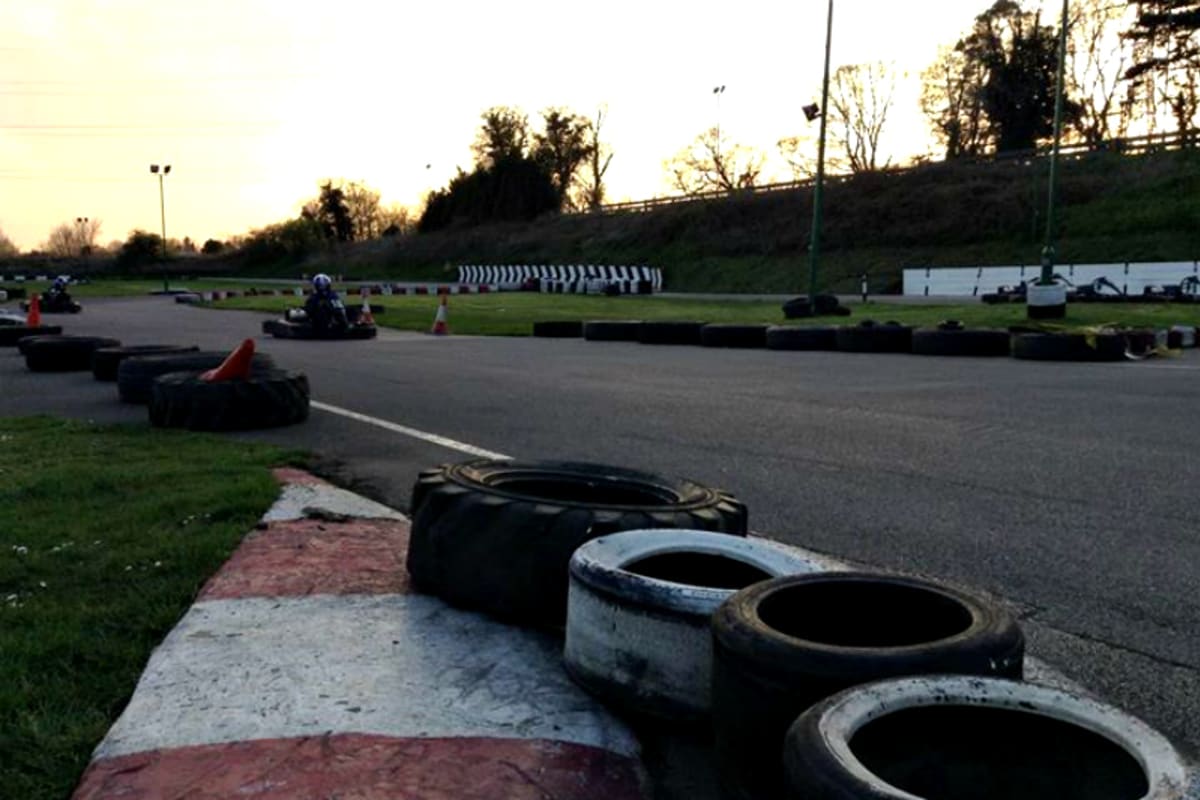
432,438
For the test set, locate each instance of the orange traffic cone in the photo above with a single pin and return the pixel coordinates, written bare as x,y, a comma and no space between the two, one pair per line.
236,366
365,316
34,319
440,328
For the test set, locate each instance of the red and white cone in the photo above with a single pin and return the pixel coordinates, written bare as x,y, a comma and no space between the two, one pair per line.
440,327
365,317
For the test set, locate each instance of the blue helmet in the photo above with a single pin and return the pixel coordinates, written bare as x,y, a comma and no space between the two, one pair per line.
61,282
321,281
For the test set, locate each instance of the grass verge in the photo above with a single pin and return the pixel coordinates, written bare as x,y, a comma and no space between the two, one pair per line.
513,313
106,535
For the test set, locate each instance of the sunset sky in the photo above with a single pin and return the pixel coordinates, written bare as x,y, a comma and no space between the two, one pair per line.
254,102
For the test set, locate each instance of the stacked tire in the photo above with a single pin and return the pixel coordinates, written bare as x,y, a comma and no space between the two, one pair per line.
267,399
62,353
136,375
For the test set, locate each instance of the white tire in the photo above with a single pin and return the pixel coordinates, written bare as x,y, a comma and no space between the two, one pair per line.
639,607
1014,733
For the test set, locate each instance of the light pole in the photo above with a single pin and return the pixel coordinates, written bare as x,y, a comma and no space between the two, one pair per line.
81,231
1047,300
718,91
814,244
162,210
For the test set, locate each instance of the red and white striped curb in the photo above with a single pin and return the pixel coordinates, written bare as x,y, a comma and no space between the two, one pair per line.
307,669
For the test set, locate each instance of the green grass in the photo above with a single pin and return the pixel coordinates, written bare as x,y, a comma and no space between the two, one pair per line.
513,313
106,535
113,287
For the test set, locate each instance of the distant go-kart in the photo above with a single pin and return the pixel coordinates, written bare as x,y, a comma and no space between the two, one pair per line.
51,303
296,325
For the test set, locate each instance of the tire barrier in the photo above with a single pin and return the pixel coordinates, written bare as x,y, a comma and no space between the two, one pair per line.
670,332
952,339
871,337
267,399
14,292
1187,335
286,329
731,335
786,337
497,536
823,305
782,645
988,739
106,360
639,613
62,353
612,330
559,329
1069,346
11,335
135,375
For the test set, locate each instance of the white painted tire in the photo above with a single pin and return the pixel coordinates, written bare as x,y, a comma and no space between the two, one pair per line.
643,642
1046,302
823,758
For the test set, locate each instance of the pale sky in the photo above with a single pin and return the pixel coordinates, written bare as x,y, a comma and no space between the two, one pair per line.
253,102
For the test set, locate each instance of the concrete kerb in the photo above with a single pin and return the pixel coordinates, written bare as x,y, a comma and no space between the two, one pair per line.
307,669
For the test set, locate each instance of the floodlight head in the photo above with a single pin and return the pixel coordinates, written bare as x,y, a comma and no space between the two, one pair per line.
811,111
166,169
154,167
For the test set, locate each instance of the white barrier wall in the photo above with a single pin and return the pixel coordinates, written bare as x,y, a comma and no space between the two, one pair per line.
511,277
973,281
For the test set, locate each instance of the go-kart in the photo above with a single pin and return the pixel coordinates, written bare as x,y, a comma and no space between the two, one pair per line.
336,322
55,303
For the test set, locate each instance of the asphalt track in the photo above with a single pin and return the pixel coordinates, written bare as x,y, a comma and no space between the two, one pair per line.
1069,490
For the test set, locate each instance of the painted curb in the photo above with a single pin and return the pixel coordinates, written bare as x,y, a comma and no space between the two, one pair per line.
306,668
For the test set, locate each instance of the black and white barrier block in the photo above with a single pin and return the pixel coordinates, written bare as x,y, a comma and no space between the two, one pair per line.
571,279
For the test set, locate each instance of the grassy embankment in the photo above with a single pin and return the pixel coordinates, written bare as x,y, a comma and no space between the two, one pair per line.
106,535
1113,208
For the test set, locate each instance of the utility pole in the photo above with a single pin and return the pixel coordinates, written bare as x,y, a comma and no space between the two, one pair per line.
814,244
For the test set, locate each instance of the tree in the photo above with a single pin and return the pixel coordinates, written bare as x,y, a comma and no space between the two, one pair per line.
561,149
800,154
1166,54
362,203
212,247
708,164
951,100
1006,68
396,221
504,135
73,239
140,249
331,212
1097,59
7,248
515,188
860,98
591,189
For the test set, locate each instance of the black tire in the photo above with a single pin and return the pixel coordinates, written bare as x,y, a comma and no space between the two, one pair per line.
11,335
63,353
1140,342
25,341
559,329
871,337
670,332
960,342
797,308
106,360
497,536
1069,347
14,293
730,335
609,330
784,644
787,337
826,304
267,399
135,376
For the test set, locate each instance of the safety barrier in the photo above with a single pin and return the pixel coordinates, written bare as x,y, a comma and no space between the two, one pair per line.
1131,277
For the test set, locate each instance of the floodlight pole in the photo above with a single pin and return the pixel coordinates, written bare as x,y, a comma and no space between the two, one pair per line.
1048,254
814,244
162,210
